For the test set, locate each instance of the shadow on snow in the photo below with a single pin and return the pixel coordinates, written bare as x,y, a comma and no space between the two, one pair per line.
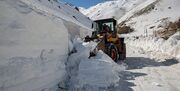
139,63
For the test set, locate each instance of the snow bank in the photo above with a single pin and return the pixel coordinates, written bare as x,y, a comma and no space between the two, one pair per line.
34,44
75,30
73,19
60,10
33,49
93,74
170,47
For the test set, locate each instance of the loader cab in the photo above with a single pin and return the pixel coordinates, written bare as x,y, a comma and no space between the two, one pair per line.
98,25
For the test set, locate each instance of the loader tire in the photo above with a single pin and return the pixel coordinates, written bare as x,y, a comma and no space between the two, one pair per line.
113,52
122,55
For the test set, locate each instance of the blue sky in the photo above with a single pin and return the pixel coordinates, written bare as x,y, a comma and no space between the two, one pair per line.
83,3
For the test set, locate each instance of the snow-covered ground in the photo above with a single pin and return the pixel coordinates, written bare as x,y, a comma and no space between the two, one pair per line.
150,73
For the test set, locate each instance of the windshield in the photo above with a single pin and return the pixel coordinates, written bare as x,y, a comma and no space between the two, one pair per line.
110,25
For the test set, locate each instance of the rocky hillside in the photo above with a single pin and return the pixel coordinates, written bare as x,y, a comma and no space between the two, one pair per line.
153,17
140,17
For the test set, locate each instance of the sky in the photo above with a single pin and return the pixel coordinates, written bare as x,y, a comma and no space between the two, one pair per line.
83,3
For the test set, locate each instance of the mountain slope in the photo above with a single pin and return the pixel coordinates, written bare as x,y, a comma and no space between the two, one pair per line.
109,9
143,16
151,16
154,19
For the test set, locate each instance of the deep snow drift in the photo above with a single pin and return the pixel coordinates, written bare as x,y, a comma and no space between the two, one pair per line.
169,48
99,73
34,43
30,56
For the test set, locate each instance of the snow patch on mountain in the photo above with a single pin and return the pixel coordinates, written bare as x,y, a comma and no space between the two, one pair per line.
110,9
152,16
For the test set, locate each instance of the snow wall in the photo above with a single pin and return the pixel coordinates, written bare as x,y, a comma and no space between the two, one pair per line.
170,47
33,48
